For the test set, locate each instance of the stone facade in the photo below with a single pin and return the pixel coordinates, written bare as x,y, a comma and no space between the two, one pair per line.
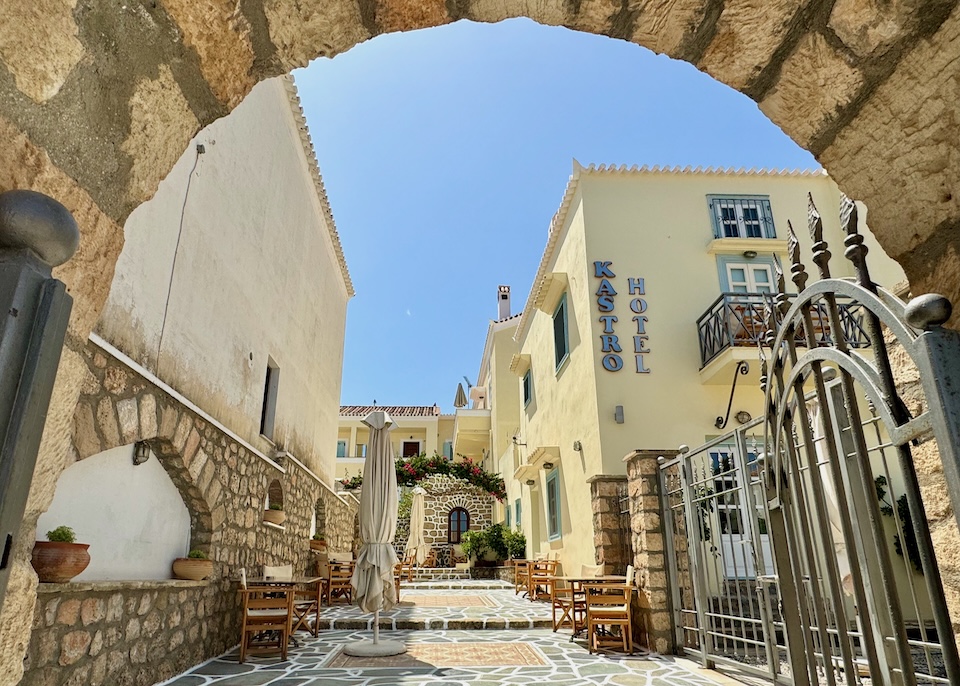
863,84
224,484
652,611
443,494
605,503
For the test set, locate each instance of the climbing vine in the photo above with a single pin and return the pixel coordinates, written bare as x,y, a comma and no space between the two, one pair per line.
414,469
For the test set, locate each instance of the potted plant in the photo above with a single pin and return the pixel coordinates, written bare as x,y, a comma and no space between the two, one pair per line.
60,558
275,514
318,543
473,544
196,566
516,544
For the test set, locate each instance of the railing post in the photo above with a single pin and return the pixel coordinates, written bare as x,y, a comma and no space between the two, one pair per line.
36,234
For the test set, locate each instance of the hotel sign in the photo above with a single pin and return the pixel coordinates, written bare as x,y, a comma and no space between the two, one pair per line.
611,349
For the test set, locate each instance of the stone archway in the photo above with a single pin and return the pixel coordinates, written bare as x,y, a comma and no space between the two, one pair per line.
98,102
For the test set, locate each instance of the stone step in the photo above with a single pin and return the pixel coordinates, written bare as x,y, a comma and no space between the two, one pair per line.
457,584
435,624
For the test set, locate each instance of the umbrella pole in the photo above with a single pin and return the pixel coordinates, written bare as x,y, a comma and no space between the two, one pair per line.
376,627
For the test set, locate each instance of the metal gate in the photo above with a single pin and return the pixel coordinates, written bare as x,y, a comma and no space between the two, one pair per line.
827,574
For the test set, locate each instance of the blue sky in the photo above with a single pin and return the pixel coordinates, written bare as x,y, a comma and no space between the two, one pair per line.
445,154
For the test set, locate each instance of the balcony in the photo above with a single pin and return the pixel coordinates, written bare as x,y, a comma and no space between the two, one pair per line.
471,432
734,324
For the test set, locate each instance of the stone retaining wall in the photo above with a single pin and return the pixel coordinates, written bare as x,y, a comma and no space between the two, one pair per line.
605,503
224,485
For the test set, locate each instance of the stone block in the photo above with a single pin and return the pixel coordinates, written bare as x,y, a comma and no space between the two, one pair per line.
129,420
68,612
73,646
85,431
815,82
92,610
148,416
107,420
133,629
96,644
115,607
190,449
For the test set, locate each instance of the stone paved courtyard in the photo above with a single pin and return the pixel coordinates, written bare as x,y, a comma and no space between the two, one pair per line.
447,658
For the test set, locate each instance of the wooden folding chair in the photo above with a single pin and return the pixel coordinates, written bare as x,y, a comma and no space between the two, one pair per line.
338,581
568,600
540,575
267,614
608,605
521,578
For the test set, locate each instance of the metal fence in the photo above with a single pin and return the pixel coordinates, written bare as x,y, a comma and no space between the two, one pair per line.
719,555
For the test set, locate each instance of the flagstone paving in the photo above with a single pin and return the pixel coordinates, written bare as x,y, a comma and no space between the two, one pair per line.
446,658
445,609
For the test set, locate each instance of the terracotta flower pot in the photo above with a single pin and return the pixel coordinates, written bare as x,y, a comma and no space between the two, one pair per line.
57,563
274,516
318,546
192,569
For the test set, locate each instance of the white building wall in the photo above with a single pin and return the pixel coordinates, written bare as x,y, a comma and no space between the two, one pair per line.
132,517
239,239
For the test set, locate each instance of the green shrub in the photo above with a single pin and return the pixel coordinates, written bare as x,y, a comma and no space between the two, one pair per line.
496,540
319,537
473,544
276,506
62,534
197,554
516,543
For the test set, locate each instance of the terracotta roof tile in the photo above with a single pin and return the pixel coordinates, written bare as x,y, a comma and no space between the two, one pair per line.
395,410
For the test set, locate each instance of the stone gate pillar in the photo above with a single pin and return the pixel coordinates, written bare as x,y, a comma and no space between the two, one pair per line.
652,612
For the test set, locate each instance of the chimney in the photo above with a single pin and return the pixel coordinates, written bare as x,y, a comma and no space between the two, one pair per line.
503,302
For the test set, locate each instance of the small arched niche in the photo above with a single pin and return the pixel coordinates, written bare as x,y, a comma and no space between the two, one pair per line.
131,515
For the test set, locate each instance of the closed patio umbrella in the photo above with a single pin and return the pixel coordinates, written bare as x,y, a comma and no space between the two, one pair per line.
461,399
417,544
372,579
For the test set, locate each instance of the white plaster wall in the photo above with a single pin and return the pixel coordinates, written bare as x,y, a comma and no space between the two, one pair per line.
256,276
131,516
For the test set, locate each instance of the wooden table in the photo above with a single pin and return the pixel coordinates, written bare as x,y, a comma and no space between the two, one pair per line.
576,585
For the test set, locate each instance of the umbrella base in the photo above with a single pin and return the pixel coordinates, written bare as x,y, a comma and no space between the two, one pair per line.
371,649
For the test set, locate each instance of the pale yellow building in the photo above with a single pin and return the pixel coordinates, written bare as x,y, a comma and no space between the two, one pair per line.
647,294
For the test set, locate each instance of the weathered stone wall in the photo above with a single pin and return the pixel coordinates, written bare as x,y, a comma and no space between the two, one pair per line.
138,632
443,494
652,610
97,105
224,485
605,502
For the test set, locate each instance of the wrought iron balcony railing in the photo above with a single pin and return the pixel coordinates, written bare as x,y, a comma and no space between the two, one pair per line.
736,320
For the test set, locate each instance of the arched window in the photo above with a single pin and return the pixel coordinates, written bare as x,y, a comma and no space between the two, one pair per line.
458,521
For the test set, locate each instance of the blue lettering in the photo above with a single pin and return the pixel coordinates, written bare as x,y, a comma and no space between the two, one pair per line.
612,363
606,288
636,286
605,303
641,366
610,344
608,320
638,305
602,270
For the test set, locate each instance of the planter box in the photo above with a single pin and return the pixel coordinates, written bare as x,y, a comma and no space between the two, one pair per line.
192,569
277,517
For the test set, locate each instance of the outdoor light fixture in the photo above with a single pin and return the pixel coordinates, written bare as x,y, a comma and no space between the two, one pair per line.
749,254
743,416
516,441
548,465
578,446
618,414
530,482
141,453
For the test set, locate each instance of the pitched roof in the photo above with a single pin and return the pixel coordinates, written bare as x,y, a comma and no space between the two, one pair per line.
394,410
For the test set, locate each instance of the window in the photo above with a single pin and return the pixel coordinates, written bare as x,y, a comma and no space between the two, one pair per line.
752,277
448,449
553,504
410,449
508,513
527,388
741,217
458,521
268,414
361,450
560,340
341,448
516,511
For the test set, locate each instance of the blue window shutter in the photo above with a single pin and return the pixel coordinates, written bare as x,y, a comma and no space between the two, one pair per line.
771,231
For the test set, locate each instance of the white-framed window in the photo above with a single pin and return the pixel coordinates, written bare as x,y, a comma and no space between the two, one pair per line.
448,449
341,448
749,277
361,450
741,216
409,448
561,340
527,388
553,504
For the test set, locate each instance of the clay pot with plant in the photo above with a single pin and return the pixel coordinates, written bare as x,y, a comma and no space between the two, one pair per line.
60,558
196,566
275,514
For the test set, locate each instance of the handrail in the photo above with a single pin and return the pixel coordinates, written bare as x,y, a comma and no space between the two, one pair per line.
738,320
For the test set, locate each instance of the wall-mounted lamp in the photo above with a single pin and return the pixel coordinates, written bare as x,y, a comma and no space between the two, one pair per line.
548,465
141,453
749,254
577,446
743,416
618,414
530,482
516,441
